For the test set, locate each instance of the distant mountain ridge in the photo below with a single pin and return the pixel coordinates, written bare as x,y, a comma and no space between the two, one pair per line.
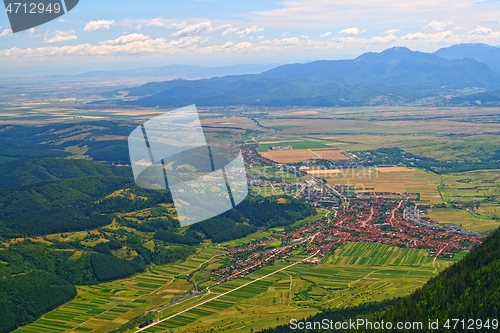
394,76
487,54
171,71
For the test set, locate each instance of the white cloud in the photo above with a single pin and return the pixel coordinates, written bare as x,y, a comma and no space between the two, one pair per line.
229,31
194,29
63,20
126,39
383,39
188,41
282,42
251,30
5,33
98,25
32,31
438,25
244,32
326,34
391,31
351,31
160,22
432,38
480,31
458,28
59,36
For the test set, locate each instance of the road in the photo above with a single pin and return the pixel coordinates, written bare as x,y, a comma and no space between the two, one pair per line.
227,292
436,256
370,217
394,211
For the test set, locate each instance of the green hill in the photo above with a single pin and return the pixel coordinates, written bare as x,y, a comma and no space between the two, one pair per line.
23,172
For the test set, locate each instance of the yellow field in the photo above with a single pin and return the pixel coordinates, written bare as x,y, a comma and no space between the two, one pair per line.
386,179
302,155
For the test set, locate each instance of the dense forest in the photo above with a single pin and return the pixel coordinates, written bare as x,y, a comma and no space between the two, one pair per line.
19,142
253,213
28,171
25,297
72,204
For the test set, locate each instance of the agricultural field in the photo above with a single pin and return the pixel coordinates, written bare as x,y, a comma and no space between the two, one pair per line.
99,308
300,289
296,144
467,219
352,274
67,110
470,186
302,155
385,179
230,122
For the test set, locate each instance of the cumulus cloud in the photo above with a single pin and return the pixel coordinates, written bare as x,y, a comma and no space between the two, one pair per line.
229,31
59,36
98,25
391,31
247,31
433,38
351,31
126,39
480,31
5,33
282,42
383,39
188,41
141,45
251,30
194,29
326,34
160,22
438,25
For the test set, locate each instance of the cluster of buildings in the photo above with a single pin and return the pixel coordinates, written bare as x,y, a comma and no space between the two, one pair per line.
251,157
389,222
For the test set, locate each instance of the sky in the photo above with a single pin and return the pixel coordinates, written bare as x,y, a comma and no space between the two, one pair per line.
121,34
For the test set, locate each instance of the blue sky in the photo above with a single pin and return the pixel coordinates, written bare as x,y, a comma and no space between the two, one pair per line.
138,33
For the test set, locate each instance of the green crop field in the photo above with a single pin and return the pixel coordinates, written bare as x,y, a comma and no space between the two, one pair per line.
374,254
469,186
109,305
469,220
296,145
353,274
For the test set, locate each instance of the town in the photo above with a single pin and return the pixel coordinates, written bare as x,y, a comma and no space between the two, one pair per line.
380,220
387,218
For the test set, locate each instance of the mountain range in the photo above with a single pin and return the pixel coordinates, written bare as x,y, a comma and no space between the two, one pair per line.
487,54
164,72
394,76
